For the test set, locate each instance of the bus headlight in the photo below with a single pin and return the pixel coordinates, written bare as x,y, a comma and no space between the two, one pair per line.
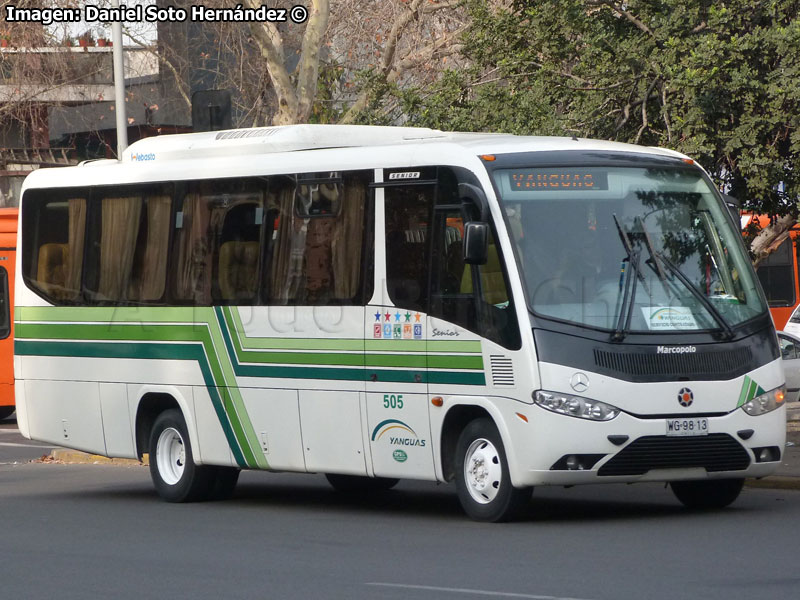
765,402
575,406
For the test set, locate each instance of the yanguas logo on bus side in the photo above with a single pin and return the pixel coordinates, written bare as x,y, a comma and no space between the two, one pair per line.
399,433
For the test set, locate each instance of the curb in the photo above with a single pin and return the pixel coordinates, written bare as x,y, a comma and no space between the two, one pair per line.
77,457
774,482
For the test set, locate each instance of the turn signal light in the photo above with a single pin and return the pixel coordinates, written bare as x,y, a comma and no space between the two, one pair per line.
437,401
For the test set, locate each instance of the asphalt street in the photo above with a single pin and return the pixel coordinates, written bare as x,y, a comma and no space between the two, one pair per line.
76,531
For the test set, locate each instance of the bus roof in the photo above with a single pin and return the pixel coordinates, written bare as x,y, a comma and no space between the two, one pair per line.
293,138
237,149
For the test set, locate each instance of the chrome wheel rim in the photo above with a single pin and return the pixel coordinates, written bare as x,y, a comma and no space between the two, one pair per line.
170,456
483,471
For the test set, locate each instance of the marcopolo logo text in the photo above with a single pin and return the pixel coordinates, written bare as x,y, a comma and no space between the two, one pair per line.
676,349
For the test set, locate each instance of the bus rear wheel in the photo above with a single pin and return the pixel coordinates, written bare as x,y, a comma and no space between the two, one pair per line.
5,411
175,475
707,494
483,482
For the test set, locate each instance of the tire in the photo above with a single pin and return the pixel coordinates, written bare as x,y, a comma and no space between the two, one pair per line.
482,479
707,494
350,484
175,475
225,479
6,411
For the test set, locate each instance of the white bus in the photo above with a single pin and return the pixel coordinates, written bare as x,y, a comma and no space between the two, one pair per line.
377,303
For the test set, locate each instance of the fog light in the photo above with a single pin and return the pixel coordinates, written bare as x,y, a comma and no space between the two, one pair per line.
767,454
576,462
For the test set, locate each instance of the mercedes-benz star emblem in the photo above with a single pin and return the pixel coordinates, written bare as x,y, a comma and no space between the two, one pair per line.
579,382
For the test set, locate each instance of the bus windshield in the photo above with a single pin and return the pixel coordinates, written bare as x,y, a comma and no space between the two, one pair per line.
628,249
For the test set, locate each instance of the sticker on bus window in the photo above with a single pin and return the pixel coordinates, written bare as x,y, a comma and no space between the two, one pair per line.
668,318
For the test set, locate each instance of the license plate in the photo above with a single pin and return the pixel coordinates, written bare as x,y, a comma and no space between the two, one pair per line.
693,426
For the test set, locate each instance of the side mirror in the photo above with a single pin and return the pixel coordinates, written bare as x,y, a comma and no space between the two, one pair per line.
472,194
476,242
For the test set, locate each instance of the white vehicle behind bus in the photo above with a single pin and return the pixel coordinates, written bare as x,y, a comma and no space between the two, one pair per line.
377,303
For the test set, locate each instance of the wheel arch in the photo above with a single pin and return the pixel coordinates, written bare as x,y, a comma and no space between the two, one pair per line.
152,401
458,415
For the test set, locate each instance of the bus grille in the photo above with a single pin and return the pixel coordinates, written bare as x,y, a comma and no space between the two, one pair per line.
723,365
714,452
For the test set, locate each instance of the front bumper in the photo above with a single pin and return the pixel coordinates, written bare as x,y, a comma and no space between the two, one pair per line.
543,445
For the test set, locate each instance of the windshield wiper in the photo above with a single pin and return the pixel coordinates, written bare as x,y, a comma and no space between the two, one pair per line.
707,304
628,245
653,260
626,308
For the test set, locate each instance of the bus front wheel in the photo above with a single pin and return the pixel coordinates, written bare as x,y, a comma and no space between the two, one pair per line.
175,475
707,493
483,482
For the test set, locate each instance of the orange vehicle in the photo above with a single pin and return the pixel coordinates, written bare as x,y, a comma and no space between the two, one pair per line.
779,273
8,257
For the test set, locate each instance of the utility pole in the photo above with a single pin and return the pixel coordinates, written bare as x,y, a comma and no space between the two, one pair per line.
119,85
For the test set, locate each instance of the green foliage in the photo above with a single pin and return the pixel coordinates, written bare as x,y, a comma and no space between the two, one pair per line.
719,81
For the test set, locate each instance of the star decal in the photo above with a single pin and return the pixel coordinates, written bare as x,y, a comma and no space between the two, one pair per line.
397,317
408,317
388,316
377,316
417,316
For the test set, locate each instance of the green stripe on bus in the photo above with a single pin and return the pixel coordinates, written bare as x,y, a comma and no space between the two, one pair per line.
222,373
150,350
465,347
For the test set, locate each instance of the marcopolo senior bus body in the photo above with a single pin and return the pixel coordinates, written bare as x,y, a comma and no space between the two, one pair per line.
383,303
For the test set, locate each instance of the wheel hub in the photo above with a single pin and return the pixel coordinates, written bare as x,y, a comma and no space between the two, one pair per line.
482,471
170,456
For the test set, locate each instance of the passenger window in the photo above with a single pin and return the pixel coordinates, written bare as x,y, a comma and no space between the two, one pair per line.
129,239
408,218
54,232
218,244
317,246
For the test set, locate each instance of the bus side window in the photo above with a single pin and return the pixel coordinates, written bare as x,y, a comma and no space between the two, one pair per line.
218,242
129,235
316,237
408,217
483,307
52,260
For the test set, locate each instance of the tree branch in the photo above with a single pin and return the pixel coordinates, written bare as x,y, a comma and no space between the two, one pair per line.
308,69
281,81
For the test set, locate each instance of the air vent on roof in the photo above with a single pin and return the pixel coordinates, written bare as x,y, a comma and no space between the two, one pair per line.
502,370
236,134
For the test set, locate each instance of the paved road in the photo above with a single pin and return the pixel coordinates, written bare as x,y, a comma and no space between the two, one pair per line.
14,447
94,531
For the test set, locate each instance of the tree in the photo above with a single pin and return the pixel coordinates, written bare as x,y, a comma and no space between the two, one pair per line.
716,80
335,67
